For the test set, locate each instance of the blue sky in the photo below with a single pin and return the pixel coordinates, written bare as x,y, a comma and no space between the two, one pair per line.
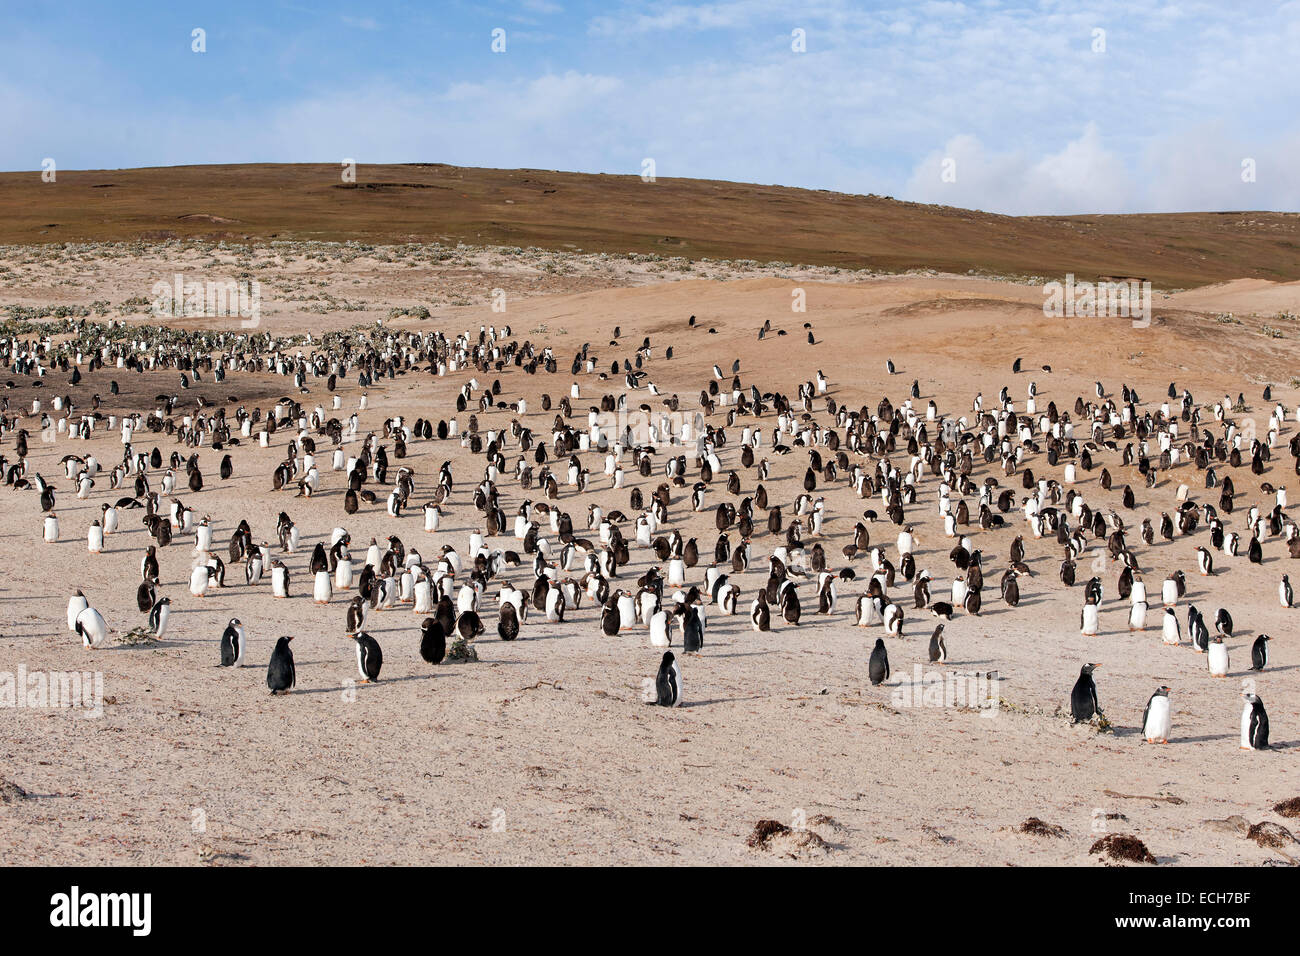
1012,99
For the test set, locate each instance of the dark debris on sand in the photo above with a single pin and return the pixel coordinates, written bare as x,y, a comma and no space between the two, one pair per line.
784,841
1037,827
1288,808
1124,848
1271,835
10,792
764,830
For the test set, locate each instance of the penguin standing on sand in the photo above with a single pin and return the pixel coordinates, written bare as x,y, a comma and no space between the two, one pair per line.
1083,698
1156,717
508,625
1089,620
76,604
1284,592
232,644
159,615
280,674
1254,723
1259,653
692,631
1217,657
369,657
1197,631
1170,632
356,615
878,666
938,649
668,682
92,628
433,641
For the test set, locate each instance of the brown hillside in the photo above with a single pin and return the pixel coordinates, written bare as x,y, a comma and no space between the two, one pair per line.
672,217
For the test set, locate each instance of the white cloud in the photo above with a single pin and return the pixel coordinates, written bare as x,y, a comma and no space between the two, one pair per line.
1036,121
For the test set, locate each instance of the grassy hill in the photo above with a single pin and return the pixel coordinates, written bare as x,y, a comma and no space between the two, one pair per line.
673,217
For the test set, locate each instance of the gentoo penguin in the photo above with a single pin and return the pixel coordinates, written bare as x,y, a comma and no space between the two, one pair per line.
1218,657
508,625
1197,631
1137,617
356,616
433,641
1204,561
1089,620
668,682
1259,653
1156,717
159,615
790,608
878,666
279,579
323,587
1083,698
661,633
692,631
1254,723
1223,622
760,613
199,580
90,625
1169,629
280,673
76,604
232,644
938,649
369,657
610,620
1284,592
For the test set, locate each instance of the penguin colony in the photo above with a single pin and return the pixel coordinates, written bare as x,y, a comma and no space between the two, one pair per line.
527,560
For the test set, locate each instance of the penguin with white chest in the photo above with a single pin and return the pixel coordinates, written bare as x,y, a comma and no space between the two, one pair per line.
369,657
1217,657
279,579
92,628
938,648
1254,723
1156,720
76,604
1089,620
159,614
1170,632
